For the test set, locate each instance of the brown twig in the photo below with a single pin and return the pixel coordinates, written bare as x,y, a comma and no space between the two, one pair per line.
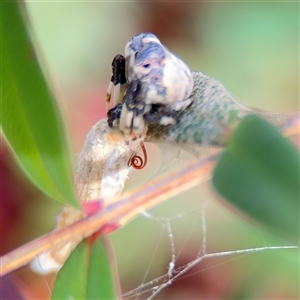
128,206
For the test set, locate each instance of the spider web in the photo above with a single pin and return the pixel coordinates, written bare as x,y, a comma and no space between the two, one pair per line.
196,241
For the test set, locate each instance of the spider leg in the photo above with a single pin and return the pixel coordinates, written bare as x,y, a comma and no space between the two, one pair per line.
117,82
108,94
119,91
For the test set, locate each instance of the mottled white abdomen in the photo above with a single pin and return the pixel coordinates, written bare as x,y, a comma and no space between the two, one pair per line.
177,79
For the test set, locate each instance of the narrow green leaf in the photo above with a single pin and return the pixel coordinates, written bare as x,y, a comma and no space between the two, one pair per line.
70,282
259,173
103,285
30,118
86,274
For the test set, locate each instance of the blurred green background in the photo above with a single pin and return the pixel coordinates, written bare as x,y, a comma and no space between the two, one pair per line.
252,48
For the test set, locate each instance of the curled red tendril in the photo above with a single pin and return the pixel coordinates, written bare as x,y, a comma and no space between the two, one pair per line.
136,161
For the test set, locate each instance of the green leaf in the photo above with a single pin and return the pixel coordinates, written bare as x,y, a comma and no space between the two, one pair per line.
259,173
86,274
30,118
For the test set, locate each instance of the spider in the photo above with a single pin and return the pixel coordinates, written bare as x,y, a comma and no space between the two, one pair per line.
149,76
